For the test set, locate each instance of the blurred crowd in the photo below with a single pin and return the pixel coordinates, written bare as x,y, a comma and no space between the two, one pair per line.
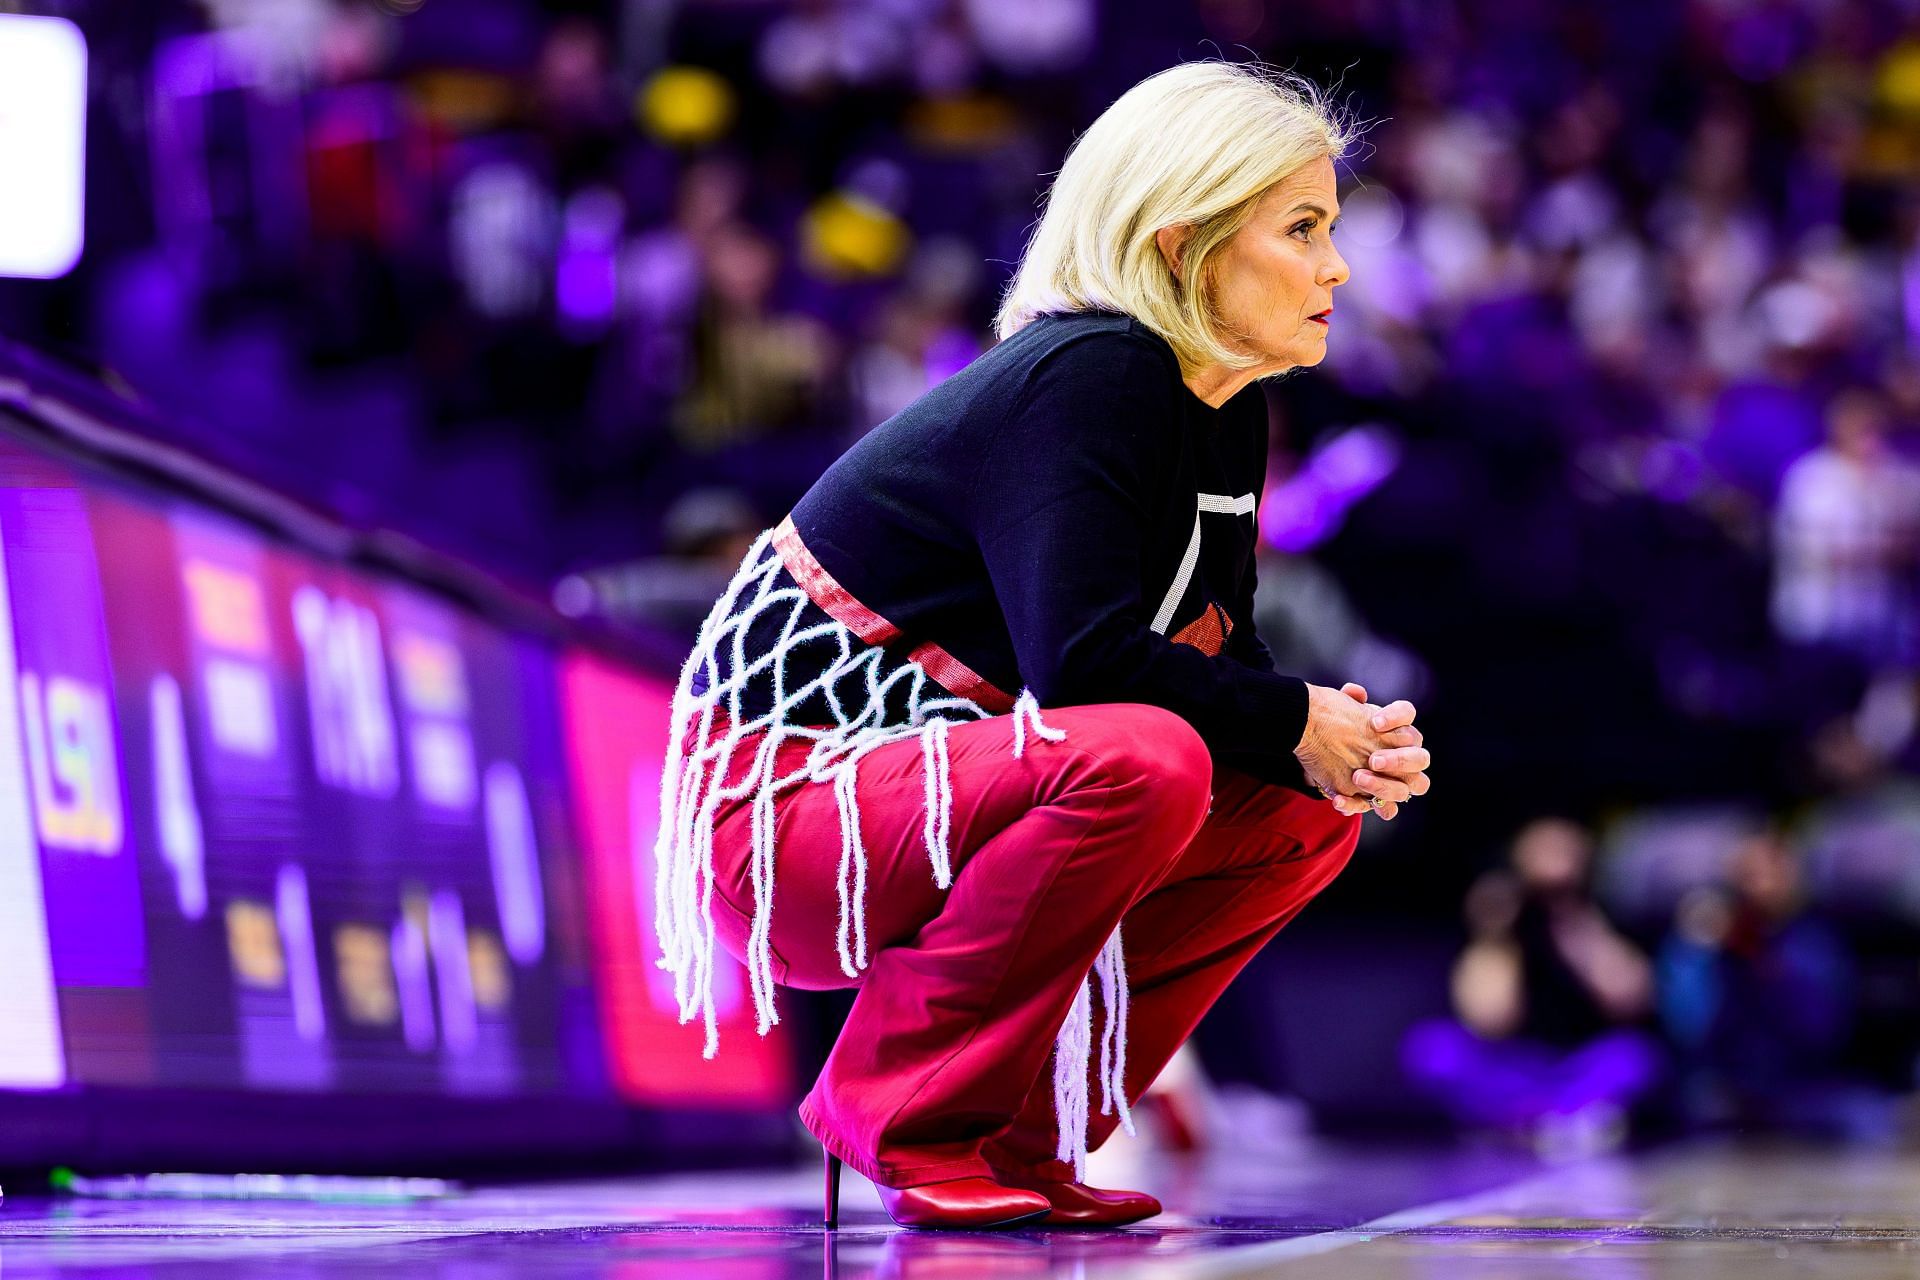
1614,464
1578,1012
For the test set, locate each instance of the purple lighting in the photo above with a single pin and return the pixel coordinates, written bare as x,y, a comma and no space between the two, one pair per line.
43,129
587,281
294,913
30,1053
1301,511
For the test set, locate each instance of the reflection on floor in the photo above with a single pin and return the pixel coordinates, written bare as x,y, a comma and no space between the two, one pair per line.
1702,1211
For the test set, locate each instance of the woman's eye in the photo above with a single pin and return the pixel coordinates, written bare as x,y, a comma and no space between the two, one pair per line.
1304,226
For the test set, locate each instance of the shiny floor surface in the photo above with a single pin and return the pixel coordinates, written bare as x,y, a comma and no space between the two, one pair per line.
1700,1211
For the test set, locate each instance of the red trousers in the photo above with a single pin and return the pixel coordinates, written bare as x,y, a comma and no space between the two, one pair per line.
943,1069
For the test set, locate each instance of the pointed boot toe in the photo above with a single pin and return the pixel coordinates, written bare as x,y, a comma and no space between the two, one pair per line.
1075,1204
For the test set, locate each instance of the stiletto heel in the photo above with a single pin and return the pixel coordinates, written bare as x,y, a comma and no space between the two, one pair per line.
833,1191
966,1204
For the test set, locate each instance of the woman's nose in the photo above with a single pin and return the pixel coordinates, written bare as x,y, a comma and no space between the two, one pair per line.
1336,272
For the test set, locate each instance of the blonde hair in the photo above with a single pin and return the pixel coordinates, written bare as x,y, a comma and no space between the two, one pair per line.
1197,144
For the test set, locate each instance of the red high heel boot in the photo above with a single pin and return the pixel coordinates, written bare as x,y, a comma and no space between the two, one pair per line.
962,1204
1075,1204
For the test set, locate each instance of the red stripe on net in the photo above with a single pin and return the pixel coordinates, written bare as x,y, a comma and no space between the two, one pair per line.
824,589
956,676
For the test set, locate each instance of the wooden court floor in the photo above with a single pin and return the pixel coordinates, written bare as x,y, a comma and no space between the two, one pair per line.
1702,1211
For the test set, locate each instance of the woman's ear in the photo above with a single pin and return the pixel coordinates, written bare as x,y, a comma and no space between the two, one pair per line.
1173,242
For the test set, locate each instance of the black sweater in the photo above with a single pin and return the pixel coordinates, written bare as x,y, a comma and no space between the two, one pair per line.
1034,517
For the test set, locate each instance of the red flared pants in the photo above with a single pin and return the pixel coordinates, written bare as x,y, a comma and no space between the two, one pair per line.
943,1069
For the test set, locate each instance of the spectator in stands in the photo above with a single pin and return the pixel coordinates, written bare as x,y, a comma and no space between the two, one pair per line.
756,370
1847,539
1756,993
1548,999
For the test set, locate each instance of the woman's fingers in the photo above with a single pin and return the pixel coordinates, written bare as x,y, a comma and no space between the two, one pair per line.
1358,692
1350,806
1394,715
1409,736
1417,783
1383,786
1400,761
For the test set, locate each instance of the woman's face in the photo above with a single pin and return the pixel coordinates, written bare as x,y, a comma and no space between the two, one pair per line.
1280,269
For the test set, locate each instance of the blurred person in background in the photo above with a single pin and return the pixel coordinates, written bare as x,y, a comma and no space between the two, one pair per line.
922,335
1846,577
1071,516
1756,992
756,370
1549,999
708,530
1847,540
662,278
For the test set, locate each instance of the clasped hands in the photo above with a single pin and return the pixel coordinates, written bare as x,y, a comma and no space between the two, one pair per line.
1352,750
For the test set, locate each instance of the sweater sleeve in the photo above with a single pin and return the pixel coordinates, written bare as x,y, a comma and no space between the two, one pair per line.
1060,501
1244,644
